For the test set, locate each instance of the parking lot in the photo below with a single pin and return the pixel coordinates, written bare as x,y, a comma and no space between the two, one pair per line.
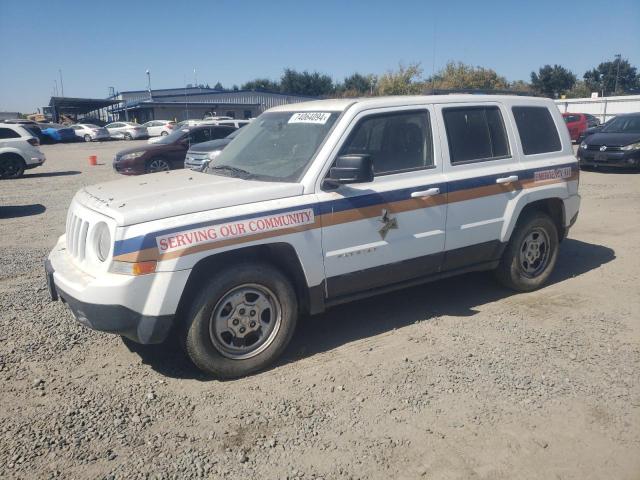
455,379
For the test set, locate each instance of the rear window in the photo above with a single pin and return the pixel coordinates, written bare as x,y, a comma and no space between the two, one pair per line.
571,118
475,134
538,132
8,133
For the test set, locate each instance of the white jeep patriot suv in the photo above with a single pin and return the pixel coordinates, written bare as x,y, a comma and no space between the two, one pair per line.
315,204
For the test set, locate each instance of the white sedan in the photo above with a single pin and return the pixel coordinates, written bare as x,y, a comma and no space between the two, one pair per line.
159,128
127,130
90,132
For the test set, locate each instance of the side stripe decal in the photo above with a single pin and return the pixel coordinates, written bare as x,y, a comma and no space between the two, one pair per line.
343,210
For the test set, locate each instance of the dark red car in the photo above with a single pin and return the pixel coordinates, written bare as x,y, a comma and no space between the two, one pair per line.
167,153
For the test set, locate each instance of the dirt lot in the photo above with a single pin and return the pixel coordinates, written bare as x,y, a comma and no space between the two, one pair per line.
457,379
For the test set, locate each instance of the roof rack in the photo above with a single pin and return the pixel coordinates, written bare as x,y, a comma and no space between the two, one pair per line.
476,91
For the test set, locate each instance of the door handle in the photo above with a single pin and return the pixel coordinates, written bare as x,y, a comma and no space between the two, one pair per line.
425,193
510,179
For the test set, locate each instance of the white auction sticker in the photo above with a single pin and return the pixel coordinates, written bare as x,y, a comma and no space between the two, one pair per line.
310,117
230,230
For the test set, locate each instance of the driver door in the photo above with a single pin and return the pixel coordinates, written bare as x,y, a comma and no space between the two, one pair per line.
392,229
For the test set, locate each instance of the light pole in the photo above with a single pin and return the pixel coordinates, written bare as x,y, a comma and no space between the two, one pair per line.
617,57
149,84
61,84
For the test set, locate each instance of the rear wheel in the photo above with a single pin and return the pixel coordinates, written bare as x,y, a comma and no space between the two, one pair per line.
157,165
531,253
241,321
87,138
127,136
11,166
164,134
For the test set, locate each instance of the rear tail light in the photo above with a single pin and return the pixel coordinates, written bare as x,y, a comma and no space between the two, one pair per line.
170,126
34,141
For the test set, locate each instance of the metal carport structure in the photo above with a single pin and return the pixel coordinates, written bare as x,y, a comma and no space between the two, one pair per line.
73,107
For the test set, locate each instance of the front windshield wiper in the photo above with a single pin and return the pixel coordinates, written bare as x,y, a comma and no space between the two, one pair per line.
231,169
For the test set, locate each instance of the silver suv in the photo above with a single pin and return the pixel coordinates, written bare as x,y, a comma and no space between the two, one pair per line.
18,151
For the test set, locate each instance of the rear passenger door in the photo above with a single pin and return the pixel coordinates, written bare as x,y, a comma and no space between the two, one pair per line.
391,229
482,179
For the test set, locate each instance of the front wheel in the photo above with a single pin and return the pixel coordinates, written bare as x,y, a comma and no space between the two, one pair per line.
157,165
531,253
127,136
87,138
164,134
241,320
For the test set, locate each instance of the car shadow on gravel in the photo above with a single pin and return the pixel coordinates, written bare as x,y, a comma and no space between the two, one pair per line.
15,211
457,296
26,176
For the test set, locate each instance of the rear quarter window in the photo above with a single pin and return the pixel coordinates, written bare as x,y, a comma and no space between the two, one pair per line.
537,130
8,133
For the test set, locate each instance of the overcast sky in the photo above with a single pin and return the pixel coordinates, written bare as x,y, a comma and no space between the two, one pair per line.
103,44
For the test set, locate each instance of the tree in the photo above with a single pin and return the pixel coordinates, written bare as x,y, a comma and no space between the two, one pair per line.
218,86
404,81
461,76
261,84
603,77
359,84
305,83
520,86
553,81
579,90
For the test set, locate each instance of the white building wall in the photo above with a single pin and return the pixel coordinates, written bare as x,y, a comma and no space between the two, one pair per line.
604,108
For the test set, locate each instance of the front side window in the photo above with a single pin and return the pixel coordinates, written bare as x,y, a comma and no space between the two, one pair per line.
200,135
277,146
396,142
538,132
475,134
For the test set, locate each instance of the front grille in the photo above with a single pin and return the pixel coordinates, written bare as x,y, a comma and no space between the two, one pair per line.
77,229
597,147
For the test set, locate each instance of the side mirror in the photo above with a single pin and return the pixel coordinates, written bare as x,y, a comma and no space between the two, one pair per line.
351,169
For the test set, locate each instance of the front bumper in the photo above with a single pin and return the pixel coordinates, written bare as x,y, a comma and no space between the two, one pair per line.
592,158
140,308
134,166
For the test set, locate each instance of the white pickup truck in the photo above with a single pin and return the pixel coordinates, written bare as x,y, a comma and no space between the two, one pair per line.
316,204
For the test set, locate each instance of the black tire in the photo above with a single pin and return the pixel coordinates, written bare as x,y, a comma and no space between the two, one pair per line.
519,268
201,338
87,138
164,134
11,166
127,136
157,164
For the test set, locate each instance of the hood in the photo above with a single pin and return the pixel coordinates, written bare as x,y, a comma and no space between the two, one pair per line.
613,139
143,148
211,145
167,194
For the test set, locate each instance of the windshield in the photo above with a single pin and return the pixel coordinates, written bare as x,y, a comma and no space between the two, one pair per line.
277,146
625,124
173,136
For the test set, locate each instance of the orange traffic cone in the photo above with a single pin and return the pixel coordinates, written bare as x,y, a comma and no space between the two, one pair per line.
93,160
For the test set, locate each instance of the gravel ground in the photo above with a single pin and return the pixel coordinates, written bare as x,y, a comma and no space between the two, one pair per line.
457,379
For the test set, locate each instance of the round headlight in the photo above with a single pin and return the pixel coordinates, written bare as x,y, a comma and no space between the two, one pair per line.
213,155
102,241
